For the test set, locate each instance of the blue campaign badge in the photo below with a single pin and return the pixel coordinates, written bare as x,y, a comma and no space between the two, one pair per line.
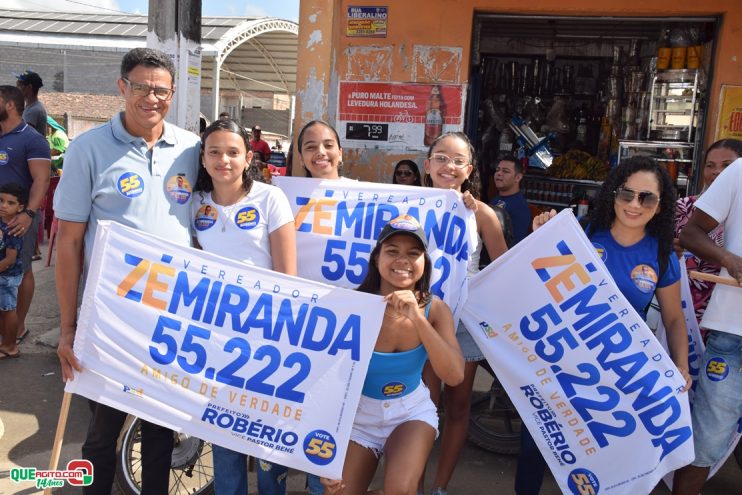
393,389
4,157
179,189
247,218
600,249
320,447
644,278
717,369
583,482
205,218
130,185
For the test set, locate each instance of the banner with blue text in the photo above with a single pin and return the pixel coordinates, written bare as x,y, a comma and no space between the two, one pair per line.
715,369
247,358
337,222
596,390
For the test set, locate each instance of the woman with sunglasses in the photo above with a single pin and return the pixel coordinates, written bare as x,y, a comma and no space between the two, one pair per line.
406,173
631,226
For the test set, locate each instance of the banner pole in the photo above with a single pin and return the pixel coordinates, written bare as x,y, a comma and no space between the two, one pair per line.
713,278
59,435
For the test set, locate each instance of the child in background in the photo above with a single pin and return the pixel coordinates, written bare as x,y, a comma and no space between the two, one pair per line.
13,199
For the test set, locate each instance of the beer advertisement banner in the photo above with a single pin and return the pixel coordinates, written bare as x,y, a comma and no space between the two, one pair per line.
595,388
729,121
247,358
338,221
405,116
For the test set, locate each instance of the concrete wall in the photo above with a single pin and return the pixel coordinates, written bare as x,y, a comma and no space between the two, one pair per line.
430,40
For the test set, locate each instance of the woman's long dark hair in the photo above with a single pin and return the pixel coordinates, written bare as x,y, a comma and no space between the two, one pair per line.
372,283
203,181
661,225
413,167
472,183
300,142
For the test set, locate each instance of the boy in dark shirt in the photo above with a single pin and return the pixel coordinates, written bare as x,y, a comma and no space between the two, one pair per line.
13,199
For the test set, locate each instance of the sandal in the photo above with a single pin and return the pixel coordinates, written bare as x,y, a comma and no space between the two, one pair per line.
20,339
4,355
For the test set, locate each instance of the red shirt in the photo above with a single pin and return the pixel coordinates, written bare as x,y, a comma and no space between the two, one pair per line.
262,147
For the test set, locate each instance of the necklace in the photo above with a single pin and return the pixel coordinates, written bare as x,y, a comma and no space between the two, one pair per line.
224,212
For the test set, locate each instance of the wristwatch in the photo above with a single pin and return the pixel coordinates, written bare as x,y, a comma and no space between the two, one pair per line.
30,213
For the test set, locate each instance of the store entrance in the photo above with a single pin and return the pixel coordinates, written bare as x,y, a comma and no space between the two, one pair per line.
572,96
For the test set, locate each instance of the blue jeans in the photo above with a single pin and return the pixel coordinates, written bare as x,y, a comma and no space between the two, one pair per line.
272,480
717,406
230,475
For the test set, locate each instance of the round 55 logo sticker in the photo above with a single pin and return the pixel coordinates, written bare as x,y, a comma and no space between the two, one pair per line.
717,369
130,185
319,447
247,218
583,482
393,389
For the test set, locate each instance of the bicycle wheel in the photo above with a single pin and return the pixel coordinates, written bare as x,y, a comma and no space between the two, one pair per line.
191,470
494,423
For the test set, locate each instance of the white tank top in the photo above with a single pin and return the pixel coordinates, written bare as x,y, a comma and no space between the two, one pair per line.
473,267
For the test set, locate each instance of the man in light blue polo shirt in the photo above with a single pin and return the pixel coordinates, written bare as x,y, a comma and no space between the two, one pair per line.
138,170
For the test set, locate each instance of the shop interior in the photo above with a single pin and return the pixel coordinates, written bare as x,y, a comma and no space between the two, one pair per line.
573,96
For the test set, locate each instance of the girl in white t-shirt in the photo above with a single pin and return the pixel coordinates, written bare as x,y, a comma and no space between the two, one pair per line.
243,219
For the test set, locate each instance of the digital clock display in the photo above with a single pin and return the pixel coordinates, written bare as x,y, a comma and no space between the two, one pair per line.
367,132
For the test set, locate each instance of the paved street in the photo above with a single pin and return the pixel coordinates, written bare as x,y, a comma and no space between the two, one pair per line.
31,392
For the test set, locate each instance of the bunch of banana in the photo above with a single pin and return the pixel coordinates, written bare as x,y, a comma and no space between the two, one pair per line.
576,164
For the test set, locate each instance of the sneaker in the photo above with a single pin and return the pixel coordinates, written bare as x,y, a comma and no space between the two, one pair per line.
439,491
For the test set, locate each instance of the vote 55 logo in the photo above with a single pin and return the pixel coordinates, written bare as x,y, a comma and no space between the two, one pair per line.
393,389
717,369
130,184
247,218
583,482
320,447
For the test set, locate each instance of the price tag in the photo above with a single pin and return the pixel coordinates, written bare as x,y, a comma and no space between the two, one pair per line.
366,132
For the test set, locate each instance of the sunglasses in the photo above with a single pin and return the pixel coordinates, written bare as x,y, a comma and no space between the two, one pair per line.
646,199
403,173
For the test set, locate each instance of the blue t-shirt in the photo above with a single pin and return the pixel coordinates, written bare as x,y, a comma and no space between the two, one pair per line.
10,242
520,215
17,147
635,268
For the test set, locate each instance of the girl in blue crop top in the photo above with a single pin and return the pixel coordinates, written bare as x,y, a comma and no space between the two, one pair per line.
415,324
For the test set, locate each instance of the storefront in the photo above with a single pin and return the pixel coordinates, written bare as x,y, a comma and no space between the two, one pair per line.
391,75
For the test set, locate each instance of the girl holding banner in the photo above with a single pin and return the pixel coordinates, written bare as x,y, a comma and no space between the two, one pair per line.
240,218
320,151
395,415
631,227
450,165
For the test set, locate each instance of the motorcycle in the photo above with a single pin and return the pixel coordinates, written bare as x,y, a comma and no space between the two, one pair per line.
191,469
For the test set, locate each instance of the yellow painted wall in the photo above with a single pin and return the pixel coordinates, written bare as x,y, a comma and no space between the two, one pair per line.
431,40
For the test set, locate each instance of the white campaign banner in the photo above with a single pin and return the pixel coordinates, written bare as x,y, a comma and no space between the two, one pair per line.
594,387
247,358
337,222
696,350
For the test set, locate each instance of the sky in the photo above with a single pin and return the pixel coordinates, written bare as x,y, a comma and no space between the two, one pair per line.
283,9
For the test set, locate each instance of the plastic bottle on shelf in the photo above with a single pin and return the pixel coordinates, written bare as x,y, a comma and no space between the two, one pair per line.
582,207
664,51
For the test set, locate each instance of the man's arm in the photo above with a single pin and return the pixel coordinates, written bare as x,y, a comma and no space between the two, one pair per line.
40,171
67,274
694,237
